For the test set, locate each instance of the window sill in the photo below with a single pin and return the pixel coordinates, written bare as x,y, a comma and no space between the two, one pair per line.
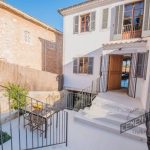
82,74
84,33
104,30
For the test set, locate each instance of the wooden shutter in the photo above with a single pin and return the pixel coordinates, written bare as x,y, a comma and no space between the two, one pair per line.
90,65
132,76
140,65
105,19
75,65
147,15
104,73
118,21
145,64
93,21
76,24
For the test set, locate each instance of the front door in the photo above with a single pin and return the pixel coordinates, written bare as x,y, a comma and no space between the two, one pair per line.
115,72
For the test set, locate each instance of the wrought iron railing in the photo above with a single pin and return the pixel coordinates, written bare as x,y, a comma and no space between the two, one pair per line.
129,31
82,99
36,125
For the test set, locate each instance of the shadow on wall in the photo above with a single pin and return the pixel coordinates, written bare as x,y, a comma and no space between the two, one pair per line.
35,80
73,80
52,55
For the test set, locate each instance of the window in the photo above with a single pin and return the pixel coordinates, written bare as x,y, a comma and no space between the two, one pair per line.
83,65
27,38
133,16
85,23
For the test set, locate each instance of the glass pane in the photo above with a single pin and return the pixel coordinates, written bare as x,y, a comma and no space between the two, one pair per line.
87,18
138,13
87,23
82,18
82,27
139,5
128,7
128,14
87,27
138,20
85,65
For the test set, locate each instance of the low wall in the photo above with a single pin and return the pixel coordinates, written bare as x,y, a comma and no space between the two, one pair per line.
34,80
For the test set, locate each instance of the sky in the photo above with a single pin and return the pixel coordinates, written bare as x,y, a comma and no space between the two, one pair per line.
44,10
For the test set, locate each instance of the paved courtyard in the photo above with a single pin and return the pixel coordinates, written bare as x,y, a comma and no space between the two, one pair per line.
80,137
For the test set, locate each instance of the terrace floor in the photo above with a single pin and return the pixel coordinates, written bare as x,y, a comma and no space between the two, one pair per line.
80,137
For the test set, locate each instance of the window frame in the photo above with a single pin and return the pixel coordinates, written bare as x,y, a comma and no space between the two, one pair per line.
84,68
133,14
27,37
82,65
85,23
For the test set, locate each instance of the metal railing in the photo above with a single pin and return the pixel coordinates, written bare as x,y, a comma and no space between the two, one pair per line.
82,99
130,31
34,125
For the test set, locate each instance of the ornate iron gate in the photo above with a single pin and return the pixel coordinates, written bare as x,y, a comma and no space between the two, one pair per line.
32,125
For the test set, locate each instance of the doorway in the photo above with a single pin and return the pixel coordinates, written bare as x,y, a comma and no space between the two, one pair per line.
119,68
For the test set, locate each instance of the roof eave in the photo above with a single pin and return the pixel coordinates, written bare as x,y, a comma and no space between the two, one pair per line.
28,17
63,10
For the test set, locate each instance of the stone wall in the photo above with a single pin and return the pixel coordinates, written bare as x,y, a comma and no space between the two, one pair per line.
27,43
34,80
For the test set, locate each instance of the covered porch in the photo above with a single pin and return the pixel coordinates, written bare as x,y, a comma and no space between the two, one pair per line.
123,70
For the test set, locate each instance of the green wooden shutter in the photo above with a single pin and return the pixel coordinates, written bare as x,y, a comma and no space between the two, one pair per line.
147,15
75,65
90,65
105,18
118,22
93,21
76,25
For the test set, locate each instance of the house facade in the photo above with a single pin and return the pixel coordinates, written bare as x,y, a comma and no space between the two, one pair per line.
28,42
109,40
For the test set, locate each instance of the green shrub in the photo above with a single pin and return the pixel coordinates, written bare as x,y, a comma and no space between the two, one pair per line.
17,94
4,137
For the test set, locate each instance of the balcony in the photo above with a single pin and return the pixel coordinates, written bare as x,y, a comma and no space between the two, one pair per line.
130,31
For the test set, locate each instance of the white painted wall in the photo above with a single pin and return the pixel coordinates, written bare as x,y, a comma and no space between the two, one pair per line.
83,44
145,88
90,44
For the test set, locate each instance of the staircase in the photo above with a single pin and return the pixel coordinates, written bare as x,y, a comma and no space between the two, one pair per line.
109,110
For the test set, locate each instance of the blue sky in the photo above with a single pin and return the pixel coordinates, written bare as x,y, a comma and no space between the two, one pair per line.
44,10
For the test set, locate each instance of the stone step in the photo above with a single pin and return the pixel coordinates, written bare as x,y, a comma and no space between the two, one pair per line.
114,107
94,109
118,122
115,118
110,128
